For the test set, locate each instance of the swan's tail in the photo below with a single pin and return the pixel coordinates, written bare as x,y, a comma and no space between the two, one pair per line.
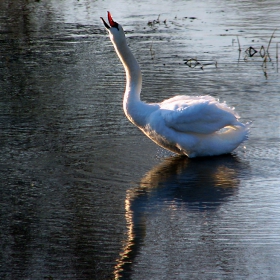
223,141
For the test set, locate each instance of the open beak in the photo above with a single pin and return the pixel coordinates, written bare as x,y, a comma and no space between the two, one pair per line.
105,23
111,22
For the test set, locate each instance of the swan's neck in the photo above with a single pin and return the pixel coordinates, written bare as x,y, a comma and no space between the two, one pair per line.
132,70
131,101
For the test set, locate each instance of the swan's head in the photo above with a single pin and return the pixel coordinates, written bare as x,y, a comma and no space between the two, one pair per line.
115,30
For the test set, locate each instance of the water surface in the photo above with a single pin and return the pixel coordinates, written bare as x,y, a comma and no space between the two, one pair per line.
84,195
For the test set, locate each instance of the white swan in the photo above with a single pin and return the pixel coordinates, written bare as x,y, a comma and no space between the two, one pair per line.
189,125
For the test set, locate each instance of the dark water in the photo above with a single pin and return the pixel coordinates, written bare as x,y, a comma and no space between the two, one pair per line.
84,195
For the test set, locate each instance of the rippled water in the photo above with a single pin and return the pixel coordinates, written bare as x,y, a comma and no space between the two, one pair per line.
84,195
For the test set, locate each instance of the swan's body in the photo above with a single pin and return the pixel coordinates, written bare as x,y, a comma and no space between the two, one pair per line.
190,125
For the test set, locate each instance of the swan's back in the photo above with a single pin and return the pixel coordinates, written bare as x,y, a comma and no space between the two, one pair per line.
196,126
199,114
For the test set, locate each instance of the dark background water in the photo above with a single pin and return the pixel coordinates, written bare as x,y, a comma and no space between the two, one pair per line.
84,195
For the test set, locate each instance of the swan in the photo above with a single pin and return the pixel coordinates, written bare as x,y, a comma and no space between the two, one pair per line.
194,126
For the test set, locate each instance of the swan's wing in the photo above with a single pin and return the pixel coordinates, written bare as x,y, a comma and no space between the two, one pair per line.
203,114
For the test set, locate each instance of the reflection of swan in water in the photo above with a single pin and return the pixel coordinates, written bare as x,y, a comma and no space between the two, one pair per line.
200,184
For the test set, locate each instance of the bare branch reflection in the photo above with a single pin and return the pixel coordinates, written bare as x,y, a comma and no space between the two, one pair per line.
200,184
